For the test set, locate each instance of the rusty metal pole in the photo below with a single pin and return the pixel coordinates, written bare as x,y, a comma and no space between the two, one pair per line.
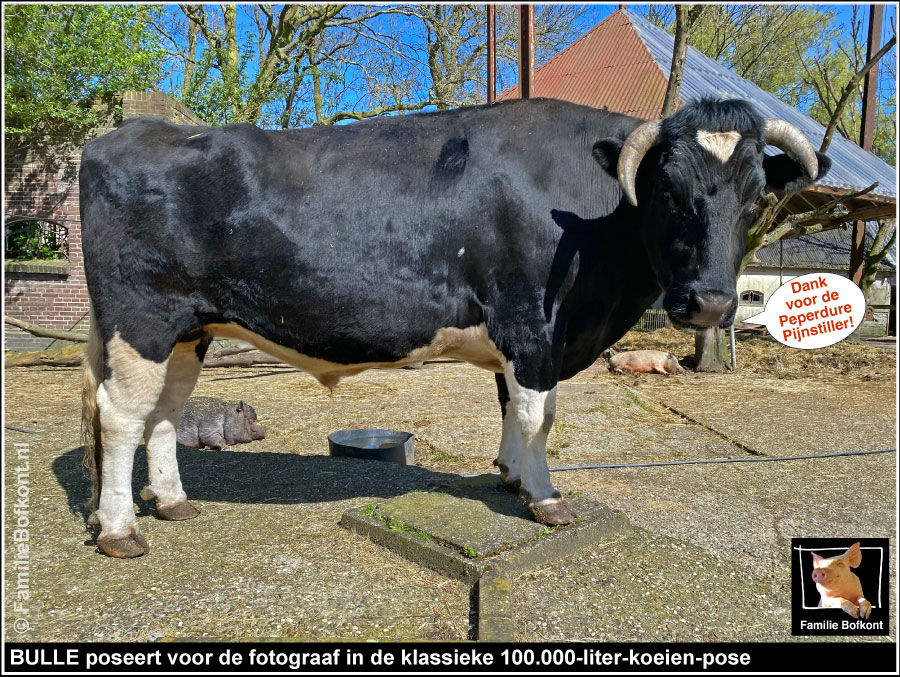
866,133
491,53
526,51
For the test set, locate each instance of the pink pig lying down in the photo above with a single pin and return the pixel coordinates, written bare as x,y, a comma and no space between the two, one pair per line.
645,362
839,586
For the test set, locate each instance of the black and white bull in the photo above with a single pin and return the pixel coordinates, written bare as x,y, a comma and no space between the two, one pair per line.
523,237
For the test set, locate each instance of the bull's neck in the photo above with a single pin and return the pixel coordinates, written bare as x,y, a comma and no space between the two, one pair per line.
614,286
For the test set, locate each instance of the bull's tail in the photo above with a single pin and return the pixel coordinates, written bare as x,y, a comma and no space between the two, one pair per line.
92,375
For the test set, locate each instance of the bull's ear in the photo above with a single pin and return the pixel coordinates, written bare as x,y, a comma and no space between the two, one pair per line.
854,555
606,153
783,173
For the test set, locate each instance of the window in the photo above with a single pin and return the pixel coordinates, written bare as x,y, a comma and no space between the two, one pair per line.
29,238
752,298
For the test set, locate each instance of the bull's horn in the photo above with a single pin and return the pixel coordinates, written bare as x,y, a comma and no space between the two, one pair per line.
633,150
791,140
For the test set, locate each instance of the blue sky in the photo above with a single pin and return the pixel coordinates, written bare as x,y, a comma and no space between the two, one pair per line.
599,11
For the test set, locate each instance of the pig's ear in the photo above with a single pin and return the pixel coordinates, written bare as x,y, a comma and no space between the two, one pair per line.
854,555
816,559
240,406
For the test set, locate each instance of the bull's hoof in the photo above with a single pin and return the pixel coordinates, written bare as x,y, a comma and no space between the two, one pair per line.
134,545
177,512
552,512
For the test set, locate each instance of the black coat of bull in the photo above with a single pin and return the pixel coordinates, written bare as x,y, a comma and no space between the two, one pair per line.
357,243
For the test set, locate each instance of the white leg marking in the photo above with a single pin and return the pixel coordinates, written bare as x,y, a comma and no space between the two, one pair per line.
534,412
164,480
511,446
125,400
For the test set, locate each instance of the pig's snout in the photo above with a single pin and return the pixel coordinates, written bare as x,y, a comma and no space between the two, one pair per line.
257,432
820,576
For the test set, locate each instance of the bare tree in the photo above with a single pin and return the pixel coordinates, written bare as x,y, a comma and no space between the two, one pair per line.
295,65
849,90
685,17
884,240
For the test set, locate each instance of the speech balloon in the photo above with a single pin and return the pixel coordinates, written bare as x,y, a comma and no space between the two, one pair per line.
813,311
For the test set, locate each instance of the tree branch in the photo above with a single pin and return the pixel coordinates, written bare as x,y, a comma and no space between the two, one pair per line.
46,332
375,112
848,90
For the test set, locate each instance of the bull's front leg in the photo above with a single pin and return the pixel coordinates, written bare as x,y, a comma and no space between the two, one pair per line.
509,458
534,409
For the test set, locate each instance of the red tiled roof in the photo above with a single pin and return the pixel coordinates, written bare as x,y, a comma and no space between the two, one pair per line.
609,66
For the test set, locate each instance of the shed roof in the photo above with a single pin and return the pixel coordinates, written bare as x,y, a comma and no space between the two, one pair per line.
826,250
623,63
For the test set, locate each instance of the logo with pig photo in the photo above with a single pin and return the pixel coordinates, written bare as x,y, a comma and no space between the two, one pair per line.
839,586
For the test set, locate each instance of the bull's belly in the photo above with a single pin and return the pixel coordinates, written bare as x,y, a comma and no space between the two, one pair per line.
472,345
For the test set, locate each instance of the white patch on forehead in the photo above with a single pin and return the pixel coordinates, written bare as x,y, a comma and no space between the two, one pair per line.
720,144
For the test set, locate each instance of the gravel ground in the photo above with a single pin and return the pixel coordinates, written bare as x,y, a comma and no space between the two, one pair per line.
266,557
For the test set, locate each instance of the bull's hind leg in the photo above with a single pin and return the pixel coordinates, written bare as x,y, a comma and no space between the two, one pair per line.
126,398
534,411
509,458
164,480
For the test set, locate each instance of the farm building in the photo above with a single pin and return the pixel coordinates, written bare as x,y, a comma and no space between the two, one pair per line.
41,181
623,63
823,252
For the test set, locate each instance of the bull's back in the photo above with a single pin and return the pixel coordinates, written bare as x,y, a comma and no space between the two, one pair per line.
352,243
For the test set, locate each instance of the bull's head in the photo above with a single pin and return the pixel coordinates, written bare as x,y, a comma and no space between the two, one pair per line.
698,177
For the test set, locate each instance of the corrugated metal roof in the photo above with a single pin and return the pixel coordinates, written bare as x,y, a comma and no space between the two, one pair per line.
852,167
607,66
828,250
623,64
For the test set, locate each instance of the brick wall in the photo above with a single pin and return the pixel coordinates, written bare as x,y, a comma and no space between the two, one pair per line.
157,105
41,179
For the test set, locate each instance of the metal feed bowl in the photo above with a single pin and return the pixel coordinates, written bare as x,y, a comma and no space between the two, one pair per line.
373,444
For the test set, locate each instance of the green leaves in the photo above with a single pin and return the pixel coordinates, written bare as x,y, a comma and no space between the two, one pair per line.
63,59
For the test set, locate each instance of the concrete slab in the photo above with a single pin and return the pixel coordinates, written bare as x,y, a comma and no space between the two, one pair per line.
495,620
472,525
784,417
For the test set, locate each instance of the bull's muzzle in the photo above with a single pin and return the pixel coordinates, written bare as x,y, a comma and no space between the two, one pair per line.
709,308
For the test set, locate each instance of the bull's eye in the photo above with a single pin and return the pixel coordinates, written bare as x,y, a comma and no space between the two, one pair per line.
670,202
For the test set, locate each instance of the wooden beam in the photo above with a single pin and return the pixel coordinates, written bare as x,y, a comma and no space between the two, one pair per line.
491,53
866,134
526,51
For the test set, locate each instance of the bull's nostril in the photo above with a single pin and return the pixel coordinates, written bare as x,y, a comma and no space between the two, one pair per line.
693,303
711,305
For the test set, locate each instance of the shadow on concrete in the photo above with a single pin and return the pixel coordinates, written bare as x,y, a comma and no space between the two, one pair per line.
261,477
